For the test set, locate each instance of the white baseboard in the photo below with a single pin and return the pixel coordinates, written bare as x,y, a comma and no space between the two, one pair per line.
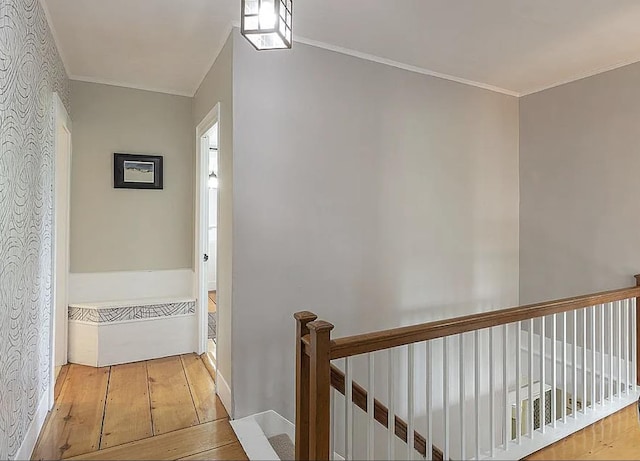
224,392
83,343
100,345
31,437
253,439
114,286
211,286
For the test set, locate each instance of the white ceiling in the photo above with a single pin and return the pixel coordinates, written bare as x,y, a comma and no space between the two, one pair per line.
513,46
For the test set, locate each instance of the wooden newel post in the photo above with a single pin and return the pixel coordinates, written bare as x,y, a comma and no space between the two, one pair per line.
637,334
320,390
302,385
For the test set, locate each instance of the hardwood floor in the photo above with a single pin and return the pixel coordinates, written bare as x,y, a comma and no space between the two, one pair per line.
212,301
158,409
615,437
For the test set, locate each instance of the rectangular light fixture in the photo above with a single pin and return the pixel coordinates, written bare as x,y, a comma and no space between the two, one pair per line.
267,23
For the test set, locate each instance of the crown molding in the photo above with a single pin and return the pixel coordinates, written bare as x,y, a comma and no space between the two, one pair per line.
337,49
81,78
403,66
392,63
583,75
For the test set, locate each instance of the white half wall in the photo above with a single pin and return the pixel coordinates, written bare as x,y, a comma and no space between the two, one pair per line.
100,345
130,285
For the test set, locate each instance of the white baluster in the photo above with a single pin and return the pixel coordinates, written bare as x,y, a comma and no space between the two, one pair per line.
574,363
462,397
348,409
584,360
530,382
542,376
619,324
564,367
492,391
518,380
476,394
592,311
429,386
634,342
625,344
391,417
610,309
332,419
602,372
554,373
410,383
370,406
445,391
505,388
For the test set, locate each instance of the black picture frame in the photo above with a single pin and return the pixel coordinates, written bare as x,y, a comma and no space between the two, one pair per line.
137,171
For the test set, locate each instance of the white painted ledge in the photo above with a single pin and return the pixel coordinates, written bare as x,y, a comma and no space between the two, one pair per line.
254,431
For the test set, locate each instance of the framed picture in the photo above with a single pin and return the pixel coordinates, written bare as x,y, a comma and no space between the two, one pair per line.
136,171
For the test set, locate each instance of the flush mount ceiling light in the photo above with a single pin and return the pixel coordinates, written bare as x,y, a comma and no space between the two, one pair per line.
267,23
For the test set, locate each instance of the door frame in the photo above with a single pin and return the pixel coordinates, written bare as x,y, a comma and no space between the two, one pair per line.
201,231
60,217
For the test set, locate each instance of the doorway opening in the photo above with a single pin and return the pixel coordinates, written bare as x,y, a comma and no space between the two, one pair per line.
211,258
60,259
208,290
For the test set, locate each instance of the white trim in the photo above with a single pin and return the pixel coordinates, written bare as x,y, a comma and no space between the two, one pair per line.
31,436
253,439
59,281
224,392
124,303
228,31
583,75
201,232
104,81
327,46
122,322
54,34
400,65
212,286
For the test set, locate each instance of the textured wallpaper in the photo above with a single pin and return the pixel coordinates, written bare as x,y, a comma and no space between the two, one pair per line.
30,70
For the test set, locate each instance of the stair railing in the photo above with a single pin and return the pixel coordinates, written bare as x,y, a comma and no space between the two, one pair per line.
497,385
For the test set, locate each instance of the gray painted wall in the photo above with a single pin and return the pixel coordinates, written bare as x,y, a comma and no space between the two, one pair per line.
128,229
217,88
372,196
30,72
579,163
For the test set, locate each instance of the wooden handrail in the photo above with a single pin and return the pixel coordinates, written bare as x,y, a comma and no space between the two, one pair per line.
315,349
381,413
386,339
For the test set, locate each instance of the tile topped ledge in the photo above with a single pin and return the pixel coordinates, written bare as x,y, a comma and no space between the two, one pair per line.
118,311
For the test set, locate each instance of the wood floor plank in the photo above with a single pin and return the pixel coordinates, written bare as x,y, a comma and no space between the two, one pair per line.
76,420
127,414
230,452
172,407
60,380
172,445
599,439
203,389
